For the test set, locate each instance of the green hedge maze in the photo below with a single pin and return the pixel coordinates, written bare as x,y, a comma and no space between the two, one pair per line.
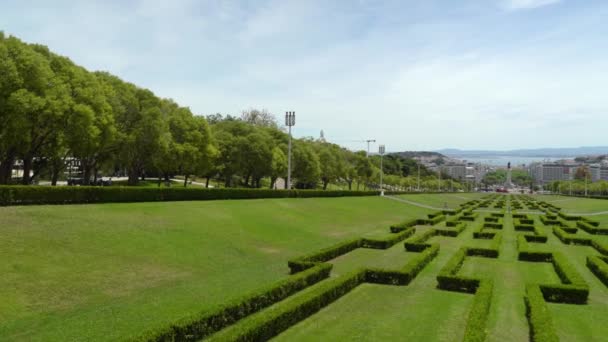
501,268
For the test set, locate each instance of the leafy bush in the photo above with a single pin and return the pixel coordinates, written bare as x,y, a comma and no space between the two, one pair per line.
568,238
574,288
404,225
539,317
307,261
20,195
387,241
524,227
475,330
592,229
269,323
200,325
599,266
406,274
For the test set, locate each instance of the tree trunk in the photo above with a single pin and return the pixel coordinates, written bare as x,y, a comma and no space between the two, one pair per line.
86,172
160,179
133,176
185,181
247,180
27,167
272,181
207,183
227,180
6,168
325,184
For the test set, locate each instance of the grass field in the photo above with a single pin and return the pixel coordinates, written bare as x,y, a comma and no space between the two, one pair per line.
112,271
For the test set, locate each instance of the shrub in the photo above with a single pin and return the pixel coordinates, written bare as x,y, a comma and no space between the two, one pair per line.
20,195
599,266
307,261
539,317
591,229
269,323
201,325
404,225
601,247
475,330
568,238
433,221
574,288
388,241
524,227
569,217
406,274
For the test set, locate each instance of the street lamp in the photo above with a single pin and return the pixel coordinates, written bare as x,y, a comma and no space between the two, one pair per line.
381,150
418,176
369,141
290,120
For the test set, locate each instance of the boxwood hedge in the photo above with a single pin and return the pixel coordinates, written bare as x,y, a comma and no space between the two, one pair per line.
539,318
599,266
29,194
195,327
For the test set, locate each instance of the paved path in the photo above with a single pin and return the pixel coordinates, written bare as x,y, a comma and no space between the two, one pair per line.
589,214
413,203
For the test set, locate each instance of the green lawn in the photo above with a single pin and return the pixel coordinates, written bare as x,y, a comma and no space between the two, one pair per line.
104,271
108,272
576,204
440,201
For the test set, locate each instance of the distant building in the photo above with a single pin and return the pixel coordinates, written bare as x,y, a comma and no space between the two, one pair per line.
544,173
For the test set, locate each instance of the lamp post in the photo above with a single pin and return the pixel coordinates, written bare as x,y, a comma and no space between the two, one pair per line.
369,141
439,183
381,150
419,176
290,120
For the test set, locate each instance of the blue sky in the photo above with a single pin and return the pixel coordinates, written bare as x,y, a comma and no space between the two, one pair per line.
415,75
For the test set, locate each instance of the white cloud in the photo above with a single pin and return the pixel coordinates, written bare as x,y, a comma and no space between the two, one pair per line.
513,5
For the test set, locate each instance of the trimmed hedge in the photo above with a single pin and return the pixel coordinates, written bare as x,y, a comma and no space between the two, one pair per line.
475,330
406,274
493,225
264,325
201,325
310,260
448,279
601,247
569,217
574,289
388,241
569,238
539,317
525,254
524,227
29,194
590,221
405,225
592,229
599,266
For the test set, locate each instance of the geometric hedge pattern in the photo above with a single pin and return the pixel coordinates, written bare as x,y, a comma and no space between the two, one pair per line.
312,285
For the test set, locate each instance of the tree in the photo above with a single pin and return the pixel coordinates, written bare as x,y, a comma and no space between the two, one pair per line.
331,167
582,173
278,165
261,118
306,164
364,168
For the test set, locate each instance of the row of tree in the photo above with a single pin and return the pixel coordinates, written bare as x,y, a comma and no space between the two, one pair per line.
54,112
579,187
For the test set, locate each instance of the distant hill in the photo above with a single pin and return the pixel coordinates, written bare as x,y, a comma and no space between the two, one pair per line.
536,152
419,154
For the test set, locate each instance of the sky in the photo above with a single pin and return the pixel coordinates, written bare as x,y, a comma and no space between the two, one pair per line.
413,75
